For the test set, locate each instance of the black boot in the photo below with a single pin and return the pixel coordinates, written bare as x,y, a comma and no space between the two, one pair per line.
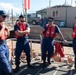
75,66
11,73
30,66
44,64
49,61
17,68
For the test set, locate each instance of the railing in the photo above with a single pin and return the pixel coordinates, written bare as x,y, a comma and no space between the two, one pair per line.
37,41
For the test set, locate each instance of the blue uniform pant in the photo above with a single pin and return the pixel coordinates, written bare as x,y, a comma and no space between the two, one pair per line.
74,48
47,46
20,46
5,67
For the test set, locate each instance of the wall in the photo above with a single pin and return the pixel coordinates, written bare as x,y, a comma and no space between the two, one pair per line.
35,31
64,13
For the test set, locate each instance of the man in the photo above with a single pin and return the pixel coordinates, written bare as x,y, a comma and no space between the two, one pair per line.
43,21
49,34
22,31
74,40
5,68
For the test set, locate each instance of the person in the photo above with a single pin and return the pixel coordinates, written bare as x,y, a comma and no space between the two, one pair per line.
5,67
49,34
43,21
74,40
22,30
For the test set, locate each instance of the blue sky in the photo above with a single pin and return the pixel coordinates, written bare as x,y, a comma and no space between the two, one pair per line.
16,5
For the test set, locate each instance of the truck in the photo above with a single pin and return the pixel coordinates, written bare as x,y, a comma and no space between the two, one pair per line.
34,18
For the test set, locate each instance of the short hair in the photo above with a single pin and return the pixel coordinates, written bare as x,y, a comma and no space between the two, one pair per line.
2,13
21,16
50,18
75,17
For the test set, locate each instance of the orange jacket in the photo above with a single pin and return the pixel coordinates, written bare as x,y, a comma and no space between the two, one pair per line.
21,28
50,31
74,32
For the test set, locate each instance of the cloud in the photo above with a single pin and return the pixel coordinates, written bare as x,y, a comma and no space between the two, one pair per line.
9,6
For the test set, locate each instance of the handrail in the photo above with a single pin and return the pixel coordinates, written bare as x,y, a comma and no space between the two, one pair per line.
69,43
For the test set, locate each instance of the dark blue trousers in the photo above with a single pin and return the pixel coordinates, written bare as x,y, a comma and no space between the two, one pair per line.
74,48
5,67
20,46
47,46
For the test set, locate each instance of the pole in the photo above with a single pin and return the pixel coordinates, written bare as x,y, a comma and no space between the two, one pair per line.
65,2
71,2
66,16
49,3
23,7
26,15
12,15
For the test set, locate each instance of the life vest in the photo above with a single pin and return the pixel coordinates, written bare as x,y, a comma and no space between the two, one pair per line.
74,32
50,31
59,49
5,35
21,28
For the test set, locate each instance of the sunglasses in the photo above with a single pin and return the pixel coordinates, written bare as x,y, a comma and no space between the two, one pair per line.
22,21
50,21
3,16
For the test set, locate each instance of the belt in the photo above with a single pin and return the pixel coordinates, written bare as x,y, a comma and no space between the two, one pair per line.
48,38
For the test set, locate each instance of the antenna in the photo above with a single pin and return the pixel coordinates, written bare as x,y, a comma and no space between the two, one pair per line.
65,2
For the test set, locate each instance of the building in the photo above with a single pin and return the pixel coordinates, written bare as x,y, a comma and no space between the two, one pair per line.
64,15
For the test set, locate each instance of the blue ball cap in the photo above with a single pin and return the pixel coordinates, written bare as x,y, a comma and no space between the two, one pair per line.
2,13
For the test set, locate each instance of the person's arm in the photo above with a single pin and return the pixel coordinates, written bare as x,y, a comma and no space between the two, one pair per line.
21,33
42,30
27,31
17,31
8,32
60,33
2,27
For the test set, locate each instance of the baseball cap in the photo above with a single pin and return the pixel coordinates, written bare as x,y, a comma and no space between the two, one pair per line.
2,13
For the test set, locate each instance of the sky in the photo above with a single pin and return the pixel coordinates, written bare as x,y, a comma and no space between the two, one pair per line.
17,5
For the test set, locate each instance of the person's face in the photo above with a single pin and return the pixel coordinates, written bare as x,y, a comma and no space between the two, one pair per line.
2,18
50,22
22,20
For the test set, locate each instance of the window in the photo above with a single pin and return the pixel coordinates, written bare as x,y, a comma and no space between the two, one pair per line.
55,13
